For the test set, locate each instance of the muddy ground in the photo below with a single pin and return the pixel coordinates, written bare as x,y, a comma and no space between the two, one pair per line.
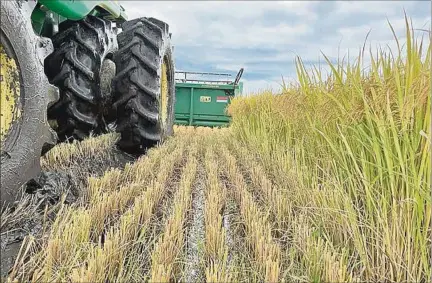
64,180
40,197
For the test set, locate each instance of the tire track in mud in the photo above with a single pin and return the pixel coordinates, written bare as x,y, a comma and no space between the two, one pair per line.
64,175
193,271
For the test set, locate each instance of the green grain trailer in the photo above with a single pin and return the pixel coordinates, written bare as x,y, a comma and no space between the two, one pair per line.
204,102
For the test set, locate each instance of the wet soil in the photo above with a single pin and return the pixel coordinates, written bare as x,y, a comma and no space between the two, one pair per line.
193,271
28,216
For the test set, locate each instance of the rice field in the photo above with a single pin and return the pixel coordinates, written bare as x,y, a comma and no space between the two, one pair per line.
327,181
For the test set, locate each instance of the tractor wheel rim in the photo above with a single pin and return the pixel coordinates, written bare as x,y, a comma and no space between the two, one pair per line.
164,93
10,92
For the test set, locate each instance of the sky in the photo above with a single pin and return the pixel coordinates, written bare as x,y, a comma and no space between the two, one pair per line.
264,37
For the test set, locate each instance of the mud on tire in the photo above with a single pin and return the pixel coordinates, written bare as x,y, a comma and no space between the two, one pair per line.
21,149
144,46
74,67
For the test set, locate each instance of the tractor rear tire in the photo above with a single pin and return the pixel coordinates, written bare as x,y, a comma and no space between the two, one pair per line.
81,48
144,91
25,95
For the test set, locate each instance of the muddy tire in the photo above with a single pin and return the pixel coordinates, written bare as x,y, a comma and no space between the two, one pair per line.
80,50
144,84
22,140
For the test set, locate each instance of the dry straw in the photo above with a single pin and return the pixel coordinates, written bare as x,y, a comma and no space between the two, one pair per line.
170,243
266,251
216,250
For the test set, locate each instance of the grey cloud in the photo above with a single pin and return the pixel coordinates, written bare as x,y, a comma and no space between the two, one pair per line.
265,36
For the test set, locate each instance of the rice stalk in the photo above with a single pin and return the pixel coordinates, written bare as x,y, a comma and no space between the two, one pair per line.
265,250
170,243
217,267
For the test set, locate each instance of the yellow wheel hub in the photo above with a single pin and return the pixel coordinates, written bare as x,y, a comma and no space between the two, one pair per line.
164,94
9,93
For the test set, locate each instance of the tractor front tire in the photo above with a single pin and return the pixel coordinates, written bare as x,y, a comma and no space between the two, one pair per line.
25,95
80,51
144,85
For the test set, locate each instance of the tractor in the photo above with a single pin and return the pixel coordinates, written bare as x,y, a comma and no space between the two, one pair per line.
74,68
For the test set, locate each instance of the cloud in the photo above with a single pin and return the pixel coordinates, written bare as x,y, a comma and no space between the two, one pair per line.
256,86
239,23
264,37
380,8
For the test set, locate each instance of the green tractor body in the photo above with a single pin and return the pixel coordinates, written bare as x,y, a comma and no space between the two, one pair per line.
72,68
79,9
48,14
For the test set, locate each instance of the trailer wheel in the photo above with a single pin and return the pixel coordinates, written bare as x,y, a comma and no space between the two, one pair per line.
81,49
144,84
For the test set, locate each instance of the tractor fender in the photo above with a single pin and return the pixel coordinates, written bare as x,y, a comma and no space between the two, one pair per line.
79,9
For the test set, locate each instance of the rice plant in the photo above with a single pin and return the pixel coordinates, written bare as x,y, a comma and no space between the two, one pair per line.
358,144
266,252
217,265
170,243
